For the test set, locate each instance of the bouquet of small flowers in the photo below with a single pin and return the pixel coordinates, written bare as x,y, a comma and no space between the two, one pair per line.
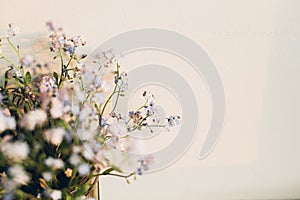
55,129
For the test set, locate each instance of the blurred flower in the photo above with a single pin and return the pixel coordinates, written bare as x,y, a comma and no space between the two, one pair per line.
88,152
57,40
48,176
122,81
33,118
68,172
105,58
145,162
57,108
84,169
75,159
55,135
27,61
46,84
19,175
15,151
12,31
56,195
7,122
98,98
56,163
85,112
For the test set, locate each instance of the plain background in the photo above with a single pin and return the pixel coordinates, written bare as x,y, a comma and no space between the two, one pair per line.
256,48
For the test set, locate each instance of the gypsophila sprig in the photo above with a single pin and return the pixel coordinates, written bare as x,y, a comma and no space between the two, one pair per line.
56,132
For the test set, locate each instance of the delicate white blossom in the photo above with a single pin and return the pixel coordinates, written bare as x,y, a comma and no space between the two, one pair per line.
145,163
55,135
75,159
149,97
48,176
56,163
12,31
27,60
15,151
84,169
79,40
33,118
47,85
172,122
98,98
85,112
7,122
56,195
19,175
57,108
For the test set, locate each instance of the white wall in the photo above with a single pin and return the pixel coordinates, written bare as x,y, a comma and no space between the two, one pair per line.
256,47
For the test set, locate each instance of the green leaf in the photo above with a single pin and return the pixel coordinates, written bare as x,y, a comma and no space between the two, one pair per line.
116,168
55,75
20,80
27,79
107,171
81,190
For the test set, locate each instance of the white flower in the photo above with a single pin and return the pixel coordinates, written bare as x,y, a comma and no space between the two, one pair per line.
83,169
57,38
12,31
79,40
105,86
88,152
56,163
172,122
98,98
116,126
75,109
7,122
149,97
57,108
55,135
27,61
46,84
124,81
75,159
85,112
145,163
79,94
47,176
19,175
33,118
16,151
56,195
86,134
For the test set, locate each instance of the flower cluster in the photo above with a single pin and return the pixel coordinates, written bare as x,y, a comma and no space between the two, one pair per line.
56,131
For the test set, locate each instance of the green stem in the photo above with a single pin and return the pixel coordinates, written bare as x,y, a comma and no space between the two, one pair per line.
62,67
5,58
118,175
118,95
15,49
109,98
